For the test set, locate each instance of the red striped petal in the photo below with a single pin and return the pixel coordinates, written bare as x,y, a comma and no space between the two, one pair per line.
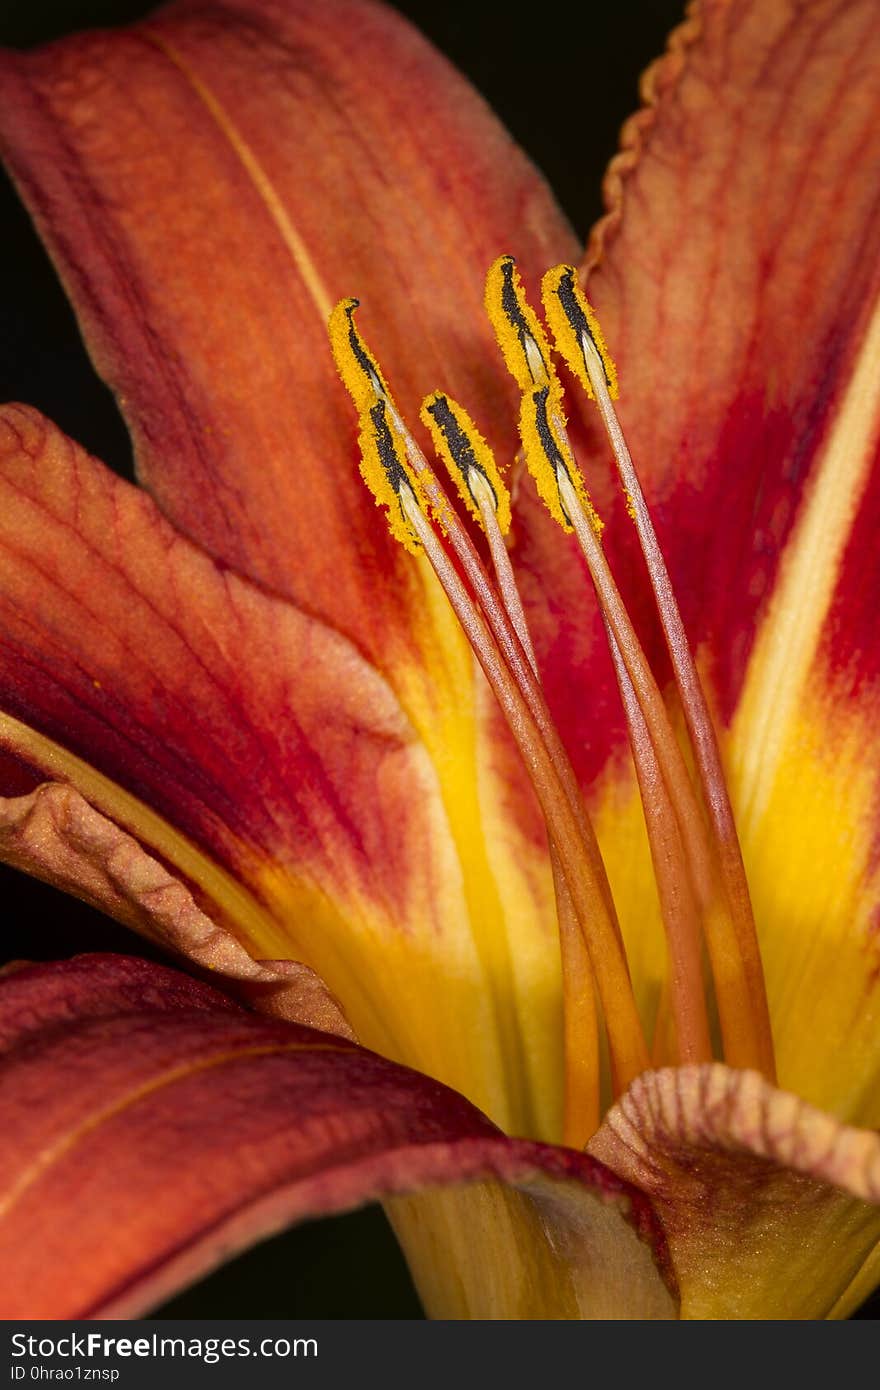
206,699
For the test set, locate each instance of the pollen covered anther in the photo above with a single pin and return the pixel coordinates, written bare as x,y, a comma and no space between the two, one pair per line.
576,329
520,336
467,456
360,372
548,455
385,464
385,471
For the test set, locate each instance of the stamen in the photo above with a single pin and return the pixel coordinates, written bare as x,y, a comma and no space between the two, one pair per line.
361,375
731,982
647,691
576,329
384,465
580,1020
548,453
580,1017
739,977
542,419
521,670
673,819
520,336
351,356
698,869
472,467
502,568
468,458
684,845
385,471
676,836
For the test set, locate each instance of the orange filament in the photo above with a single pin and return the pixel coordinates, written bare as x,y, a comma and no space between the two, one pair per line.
581,1100
756,1048
680,853
581,1040
684,845
678,905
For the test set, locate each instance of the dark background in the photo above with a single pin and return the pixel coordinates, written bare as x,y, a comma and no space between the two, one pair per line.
563,80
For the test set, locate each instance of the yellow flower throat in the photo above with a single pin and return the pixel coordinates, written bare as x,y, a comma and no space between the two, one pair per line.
695,853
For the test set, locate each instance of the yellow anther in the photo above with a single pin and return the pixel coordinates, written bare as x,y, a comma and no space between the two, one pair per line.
385,465
576,330
466,455
520,335
386,472
548,454
360,372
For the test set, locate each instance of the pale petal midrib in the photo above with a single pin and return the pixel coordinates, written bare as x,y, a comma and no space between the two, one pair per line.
262,183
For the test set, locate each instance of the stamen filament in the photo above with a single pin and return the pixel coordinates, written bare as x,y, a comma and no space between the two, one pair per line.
580,1020
678,906
732,983
755,1048
517,662
550,459
504,576
647,691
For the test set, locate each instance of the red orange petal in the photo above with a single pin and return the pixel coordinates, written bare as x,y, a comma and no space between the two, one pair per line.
210,182
201,696
171,1129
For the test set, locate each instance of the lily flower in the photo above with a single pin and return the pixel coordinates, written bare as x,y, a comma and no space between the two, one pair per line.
534,876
